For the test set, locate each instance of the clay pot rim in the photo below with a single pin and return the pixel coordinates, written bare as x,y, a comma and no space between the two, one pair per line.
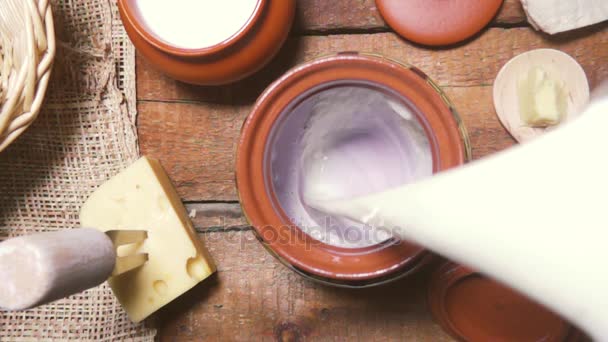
449,274
427,259
130,16
257,203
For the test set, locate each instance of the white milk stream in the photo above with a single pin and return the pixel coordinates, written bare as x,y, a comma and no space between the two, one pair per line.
534,217
195,24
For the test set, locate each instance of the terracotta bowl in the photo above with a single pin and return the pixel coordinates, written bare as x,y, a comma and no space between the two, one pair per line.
353,267
239,56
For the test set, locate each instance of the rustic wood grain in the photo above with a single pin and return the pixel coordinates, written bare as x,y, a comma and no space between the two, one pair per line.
473,64
318,16
253,297
194,132
209,217
511,13
196,142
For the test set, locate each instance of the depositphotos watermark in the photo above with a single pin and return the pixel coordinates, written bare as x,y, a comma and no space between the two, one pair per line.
340,235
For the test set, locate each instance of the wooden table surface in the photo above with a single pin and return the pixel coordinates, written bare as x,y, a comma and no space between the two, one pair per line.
194,131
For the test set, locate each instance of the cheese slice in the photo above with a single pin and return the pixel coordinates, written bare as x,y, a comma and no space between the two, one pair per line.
554,16
143,198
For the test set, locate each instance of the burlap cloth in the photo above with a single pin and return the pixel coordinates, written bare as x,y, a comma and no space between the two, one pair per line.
85,134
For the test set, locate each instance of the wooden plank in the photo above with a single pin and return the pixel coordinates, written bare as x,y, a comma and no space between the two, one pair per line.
344,15
196,142
211,217
194,131
254,297
476,63
475,107
511,13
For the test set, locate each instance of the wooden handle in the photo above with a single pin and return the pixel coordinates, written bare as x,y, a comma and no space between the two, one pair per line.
41,268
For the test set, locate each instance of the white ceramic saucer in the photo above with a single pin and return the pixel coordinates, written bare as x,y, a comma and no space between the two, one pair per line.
558,65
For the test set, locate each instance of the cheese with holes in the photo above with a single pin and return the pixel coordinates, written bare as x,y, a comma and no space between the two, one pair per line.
143,198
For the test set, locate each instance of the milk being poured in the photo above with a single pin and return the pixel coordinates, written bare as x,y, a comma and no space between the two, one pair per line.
345,141
533,217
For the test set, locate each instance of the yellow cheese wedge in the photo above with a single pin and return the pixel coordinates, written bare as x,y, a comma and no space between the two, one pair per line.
143,198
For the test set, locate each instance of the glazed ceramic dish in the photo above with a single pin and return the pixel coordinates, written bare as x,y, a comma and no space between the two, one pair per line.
473,308
236,57
265,163
438,23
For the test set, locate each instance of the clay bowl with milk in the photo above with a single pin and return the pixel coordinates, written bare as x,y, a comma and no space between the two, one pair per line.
207,42
343,125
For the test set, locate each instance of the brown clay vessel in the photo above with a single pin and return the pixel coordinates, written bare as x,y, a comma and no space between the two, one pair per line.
239,56
472,308
277,232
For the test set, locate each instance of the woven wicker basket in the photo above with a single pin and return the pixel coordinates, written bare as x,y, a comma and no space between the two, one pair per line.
27,51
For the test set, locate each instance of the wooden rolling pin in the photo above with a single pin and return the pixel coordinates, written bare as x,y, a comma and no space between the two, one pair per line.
38,269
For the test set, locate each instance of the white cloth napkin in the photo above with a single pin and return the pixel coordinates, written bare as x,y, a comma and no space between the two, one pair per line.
554,16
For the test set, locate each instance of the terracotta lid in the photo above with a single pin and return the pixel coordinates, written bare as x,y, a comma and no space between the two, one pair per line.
471,307
438,22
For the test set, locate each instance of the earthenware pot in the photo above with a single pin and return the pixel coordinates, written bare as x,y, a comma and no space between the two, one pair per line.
306,255
235,58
